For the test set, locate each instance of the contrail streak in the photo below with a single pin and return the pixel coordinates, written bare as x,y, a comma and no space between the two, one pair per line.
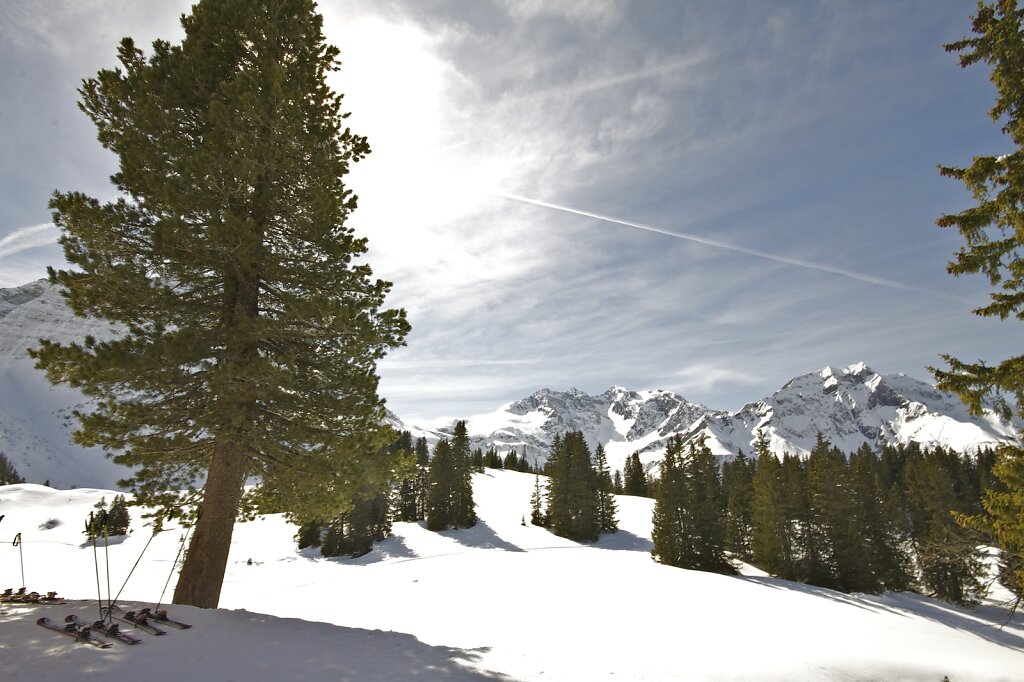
859,276
28,237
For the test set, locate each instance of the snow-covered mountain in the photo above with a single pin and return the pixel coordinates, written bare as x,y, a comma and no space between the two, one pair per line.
850,406
35,416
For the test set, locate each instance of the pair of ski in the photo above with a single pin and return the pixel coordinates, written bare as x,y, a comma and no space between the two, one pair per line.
9,596
83,632
143,619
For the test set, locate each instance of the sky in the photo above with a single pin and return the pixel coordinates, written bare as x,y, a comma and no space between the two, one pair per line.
708,198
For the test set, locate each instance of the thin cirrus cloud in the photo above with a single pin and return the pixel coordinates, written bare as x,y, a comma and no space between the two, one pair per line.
788,260
29,237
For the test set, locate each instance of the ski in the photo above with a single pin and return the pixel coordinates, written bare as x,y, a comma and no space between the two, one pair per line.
140,622
71,630
109,629
161,617
10,596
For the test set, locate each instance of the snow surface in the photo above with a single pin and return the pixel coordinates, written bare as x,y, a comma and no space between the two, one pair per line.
500,601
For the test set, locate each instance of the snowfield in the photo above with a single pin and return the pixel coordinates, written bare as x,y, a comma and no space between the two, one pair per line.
500,601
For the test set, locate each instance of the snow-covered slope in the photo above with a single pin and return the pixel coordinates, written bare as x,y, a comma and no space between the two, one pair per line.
500,601
849,406
35,416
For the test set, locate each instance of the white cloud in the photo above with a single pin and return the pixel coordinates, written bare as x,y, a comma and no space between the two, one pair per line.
705,377
594,13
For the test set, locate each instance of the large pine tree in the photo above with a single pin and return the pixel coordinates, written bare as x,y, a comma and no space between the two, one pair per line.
248,333
993,232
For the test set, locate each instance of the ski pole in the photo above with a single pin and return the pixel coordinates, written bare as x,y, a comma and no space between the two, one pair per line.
173,566
21,555
90,526
106,555
157,527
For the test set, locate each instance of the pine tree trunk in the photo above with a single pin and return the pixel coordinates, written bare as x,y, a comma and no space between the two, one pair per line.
203,571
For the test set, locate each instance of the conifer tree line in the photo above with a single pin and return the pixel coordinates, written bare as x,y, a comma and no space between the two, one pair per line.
436,489
634,479
864,522
492,459
578,500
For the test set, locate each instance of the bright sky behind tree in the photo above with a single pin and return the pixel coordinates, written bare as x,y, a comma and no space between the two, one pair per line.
703,197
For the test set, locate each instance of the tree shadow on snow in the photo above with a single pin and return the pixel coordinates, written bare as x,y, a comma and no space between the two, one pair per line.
986,622
329,652
383,550
623,540
481,536
855,600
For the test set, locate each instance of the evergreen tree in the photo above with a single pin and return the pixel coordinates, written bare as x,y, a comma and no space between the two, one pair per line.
572,489
118,518
310,534
877,523
463,507
8,474
449,502
524,465
688,526
606,506
250,335
805,542
738,482
993,236
833,552
537,515
422,490
771,537
97,520
409,493
410,490
635,478
368,520
669,525
617,483
440,481
422,452
947,556
333,537
511,461
705,500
